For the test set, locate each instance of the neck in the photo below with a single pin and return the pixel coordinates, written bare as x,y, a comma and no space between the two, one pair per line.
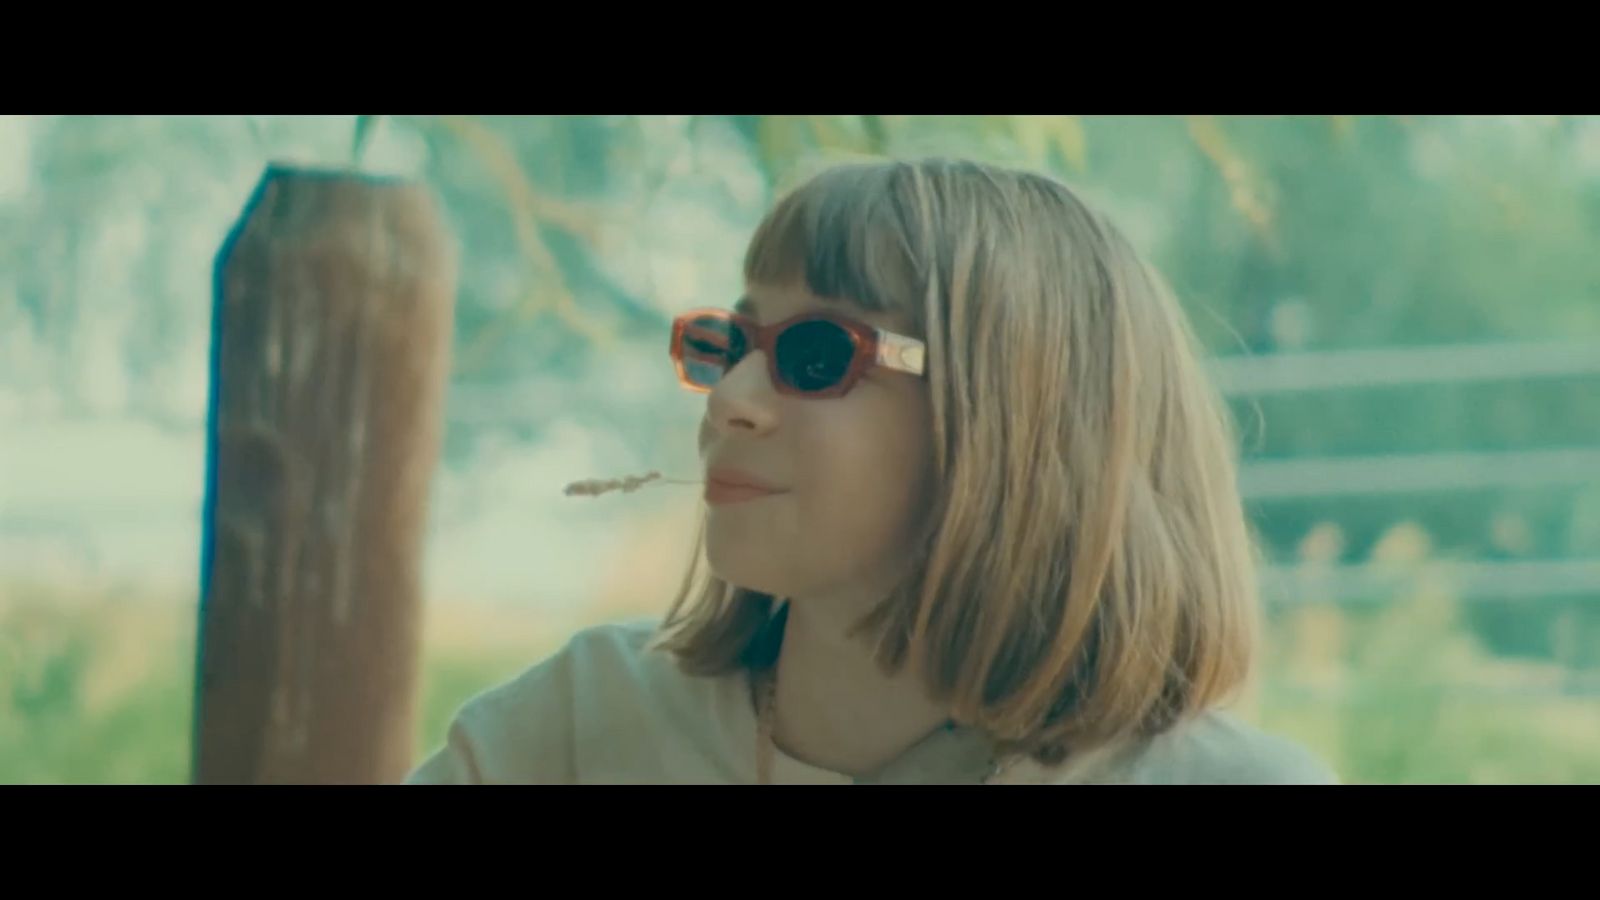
833,707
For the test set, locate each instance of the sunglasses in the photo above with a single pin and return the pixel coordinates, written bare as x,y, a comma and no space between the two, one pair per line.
816,355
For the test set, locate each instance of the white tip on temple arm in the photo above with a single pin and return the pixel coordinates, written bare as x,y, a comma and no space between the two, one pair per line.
901,353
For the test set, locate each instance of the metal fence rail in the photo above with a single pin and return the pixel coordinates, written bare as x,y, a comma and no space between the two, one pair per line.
1281,373
1466,580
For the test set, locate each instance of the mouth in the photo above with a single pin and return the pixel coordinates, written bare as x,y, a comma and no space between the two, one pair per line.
727,486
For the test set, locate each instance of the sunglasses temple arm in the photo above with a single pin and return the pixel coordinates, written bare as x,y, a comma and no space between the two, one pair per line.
901,353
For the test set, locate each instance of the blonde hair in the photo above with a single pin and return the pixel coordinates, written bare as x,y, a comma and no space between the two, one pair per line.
1087,578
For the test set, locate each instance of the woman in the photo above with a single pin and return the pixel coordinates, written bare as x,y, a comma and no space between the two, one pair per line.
972,516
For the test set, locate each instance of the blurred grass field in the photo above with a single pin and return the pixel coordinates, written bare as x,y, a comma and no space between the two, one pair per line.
97,689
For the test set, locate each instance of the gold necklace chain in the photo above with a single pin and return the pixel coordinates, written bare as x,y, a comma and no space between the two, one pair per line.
766,748
767,706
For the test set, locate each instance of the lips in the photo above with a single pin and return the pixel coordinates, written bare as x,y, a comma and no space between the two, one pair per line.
726,485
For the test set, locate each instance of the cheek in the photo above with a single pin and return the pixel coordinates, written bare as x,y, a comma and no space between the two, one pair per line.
867,476
861,470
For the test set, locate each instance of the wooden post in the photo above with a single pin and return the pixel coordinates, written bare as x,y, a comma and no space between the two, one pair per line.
333,308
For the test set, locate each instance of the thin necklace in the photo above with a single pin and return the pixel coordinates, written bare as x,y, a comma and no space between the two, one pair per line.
766,748
767,706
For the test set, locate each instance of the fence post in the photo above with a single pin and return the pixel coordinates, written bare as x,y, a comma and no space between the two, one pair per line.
332,315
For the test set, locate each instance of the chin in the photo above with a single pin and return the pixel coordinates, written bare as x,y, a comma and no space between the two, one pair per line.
743,569
744,561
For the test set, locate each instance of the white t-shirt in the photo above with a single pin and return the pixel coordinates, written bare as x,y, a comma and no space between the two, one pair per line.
608,709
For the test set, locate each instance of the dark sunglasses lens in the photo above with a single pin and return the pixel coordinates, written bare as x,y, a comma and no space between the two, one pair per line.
814,356
709,348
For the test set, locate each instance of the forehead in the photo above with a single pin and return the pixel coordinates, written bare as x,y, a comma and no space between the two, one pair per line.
773,303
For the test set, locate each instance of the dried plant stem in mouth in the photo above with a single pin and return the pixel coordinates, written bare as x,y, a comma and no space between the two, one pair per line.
594,487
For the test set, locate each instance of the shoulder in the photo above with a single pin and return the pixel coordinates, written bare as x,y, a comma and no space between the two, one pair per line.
1221,748
605,659
612,666
524,729
619,648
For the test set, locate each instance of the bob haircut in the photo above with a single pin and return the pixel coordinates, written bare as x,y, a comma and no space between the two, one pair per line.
1087,578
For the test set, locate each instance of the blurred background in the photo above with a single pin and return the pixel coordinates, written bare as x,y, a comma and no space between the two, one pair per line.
1404,312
